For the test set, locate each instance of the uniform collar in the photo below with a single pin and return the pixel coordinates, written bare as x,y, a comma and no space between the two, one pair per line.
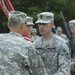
14,33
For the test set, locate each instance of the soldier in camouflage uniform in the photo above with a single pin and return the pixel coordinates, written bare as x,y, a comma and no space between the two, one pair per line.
29,27
17,55
72,29
60,33
34,35
53,49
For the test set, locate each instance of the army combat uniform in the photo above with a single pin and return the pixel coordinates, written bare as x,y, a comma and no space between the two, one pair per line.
55,55
63,36
34,37
19,57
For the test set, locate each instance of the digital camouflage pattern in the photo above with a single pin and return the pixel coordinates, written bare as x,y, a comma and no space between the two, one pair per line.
34,37
63,36
19,57
55,55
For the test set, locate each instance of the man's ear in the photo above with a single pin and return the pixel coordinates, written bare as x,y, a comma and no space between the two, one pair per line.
52,24
22,25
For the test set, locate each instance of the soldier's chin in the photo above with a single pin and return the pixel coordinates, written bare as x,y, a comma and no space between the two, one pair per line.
42,33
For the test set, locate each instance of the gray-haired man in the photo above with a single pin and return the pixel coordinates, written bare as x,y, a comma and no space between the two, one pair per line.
18,56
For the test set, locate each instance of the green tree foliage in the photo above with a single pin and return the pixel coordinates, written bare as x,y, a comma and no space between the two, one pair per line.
33,7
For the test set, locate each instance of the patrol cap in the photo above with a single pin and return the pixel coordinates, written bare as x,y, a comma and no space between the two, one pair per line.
45,17
18,15
34,30
59,28
29,20
72,23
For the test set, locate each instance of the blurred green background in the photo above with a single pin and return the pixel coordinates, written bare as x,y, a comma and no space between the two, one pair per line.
33,7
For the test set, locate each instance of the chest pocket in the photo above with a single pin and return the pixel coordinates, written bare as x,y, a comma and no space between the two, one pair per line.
48,54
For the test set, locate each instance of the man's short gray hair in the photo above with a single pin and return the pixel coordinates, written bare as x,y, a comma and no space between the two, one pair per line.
16,17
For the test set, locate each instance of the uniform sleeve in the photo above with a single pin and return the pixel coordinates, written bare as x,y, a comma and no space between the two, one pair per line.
36,64
64,61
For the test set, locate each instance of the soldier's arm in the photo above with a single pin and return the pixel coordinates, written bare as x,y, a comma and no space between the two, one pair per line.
36,64
64,61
